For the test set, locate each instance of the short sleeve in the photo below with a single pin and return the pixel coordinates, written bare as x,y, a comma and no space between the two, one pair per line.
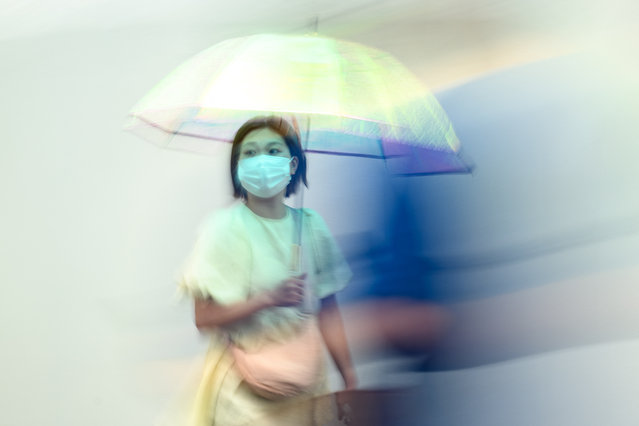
331,273
218,266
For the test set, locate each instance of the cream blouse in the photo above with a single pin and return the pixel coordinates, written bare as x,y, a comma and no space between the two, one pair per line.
239,253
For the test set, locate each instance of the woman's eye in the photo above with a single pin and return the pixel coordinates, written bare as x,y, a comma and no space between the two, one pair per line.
274,151
249,152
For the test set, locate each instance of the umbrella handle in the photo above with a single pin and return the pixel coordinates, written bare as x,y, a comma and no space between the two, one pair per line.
295,267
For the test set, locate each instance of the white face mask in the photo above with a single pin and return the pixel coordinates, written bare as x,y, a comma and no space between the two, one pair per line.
264,175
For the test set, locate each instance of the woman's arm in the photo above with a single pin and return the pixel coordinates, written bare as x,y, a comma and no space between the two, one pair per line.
209,313
332,328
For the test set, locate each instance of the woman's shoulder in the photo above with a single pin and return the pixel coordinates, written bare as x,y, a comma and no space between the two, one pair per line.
308,212
314,220
310,215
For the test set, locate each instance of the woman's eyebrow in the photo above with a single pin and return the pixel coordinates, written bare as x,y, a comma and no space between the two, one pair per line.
267,143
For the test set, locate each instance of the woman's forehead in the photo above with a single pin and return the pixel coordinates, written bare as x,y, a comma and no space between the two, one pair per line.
263,136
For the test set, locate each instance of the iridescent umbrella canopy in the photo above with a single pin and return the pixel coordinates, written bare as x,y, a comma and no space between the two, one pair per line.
348,99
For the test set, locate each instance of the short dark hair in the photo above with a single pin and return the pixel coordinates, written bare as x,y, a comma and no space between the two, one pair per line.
290,136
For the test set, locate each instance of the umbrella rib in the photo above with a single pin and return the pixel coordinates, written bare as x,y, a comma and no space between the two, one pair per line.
345,154
380,94
178,132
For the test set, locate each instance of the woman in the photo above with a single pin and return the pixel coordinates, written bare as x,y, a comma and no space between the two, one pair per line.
239,276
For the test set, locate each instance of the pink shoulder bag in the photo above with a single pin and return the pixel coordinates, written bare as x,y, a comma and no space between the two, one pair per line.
282,370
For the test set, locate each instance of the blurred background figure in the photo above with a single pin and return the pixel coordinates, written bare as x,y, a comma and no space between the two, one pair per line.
531,261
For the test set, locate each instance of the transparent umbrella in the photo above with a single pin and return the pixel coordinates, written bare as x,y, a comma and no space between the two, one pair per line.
346,99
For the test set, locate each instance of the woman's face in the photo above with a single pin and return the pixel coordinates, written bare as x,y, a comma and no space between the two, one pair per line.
265,142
